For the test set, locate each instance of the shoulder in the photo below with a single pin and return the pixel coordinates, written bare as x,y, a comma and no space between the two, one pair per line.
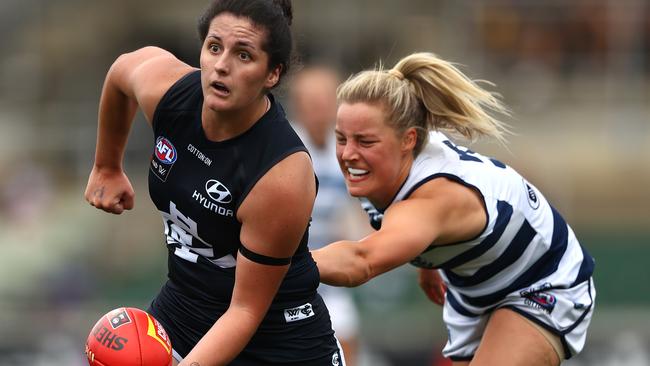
458,210
276,212
150,64
288,188
288,180
147,74
276,132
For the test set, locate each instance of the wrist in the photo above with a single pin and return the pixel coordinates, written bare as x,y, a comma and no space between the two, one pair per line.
114,168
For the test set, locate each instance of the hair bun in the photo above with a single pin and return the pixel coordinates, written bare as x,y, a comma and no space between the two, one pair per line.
287,9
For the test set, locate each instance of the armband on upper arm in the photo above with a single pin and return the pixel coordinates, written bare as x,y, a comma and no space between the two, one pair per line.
263,259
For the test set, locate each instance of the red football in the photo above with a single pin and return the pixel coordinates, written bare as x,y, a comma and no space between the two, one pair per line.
128,337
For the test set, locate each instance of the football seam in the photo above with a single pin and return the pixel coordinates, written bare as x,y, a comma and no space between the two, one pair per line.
137,331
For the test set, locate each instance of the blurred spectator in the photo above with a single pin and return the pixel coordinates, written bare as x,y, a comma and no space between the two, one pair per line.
26,194
313,103
567,39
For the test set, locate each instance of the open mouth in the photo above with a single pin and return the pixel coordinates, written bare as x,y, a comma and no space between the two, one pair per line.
221,88
357,173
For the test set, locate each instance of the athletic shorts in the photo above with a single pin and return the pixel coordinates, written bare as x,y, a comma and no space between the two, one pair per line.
565,313
298,333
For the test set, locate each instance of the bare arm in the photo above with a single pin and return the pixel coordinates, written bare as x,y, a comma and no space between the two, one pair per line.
139,78
274,217
439,212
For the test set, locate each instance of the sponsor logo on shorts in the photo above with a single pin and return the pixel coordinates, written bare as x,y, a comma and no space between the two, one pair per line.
298,313
335,359
536,297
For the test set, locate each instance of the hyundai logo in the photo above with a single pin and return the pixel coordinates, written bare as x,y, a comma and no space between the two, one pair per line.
217,191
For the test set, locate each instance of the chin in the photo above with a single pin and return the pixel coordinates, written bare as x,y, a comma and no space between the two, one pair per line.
356,191
217,104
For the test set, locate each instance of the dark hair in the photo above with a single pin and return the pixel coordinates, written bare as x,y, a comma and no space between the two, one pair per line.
275,16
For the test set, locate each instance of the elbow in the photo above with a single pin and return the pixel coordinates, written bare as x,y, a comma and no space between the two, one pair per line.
343,265
356,281
361,274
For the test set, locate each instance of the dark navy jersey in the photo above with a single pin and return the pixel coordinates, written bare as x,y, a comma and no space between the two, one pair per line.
198,185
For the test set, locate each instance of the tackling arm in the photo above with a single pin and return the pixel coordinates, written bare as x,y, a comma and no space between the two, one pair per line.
439,212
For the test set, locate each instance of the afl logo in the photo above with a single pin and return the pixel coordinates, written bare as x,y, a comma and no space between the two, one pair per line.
119,317
165,151
533,199
217,191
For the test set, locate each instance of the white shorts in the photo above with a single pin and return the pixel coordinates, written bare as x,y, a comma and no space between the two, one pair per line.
565,313
343,311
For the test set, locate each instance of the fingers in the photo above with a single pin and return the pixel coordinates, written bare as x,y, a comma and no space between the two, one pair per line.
128,200
117,205
439,294
435,294
435,291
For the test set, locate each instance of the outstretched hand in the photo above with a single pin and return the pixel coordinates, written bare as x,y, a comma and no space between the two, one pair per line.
432,285
109,190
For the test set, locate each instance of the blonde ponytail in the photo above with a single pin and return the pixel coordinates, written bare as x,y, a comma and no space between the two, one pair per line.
427,93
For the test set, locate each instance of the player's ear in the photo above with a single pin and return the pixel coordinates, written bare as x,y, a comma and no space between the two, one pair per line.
409,139
273,77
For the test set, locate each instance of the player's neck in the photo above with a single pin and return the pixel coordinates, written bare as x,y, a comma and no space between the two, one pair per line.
224,125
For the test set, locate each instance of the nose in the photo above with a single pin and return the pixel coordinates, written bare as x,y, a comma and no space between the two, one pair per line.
221,64
348,151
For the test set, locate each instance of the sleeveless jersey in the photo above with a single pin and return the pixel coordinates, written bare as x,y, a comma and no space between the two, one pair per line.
198,185
525,243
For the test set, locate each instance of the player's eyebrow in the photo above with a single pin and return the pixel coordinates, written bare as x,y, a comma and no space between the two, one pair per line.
240,43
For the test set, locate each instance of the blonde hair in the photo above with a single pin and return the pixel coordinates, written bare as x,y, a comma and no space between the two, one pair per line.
427,93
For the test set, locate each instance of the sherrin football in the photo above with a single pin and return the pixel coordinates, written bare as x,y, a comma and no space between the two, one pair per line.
128,337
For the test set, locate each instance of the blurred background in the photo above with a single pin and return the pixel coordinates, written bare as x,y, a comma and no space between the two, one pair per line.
575,73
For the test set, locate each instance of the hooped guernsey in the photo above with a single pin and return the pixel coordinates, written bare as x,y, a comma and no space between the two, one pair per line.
526,258
198,185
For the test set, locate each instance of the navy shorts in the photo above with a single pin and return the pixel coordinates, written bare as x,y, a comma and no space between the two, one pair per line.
293,333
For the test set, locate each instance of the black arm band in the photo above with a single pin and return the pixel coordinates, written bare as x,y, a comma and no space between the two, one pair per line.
262,259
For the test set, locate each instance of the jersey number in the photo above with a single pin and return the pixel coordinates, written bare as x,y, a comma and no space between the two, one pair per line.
468,155
181,229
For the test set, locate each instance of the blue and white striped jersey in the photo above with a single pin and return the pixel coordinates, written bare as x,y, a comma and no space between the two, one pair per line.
525,243
332,198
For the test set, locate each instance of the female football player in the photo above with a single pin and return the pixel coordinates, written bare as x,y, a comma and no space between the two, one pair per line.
235,188
518,284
